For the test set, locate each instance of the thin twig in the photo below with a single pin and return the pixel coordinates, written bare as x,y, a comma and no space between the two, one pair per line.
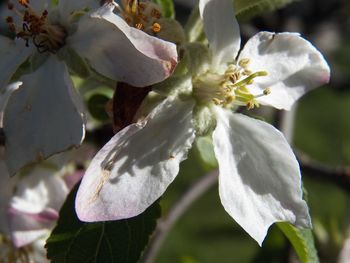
339,175
163,228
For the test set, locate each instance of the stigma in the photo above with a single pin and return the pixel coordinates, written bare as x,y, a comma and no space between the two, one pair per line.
143,15
231,88
35,28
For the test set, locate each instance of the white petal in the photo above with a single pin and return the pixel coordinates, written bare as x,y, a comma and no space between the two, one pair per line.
39,190
13,54
67,7
5,96
143,159
40,118
40,5
33,210
293,64
221,29
108,43
259,181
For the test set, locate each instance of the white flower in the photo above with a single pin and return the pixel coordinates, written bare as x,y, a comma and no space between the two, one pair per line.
259,181
45,116
29,206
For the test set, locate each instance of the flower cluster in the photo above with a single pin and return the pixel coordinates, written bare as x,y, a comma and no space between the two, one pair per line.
259,176
259,181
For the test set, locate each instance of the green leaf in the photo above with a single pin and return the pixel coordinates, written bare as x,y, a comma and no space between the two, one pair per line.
246,9
122,241
97,105
167,7
303,242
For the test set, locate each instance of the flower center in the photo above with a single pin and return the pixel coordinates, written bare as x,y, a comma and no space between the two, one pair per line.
143,15
36,28
230,88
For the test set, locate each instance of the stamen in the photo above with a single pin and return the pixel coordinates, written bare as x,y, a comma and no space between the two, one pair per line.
156,14
24,3
244,62
249,78
156,27
36,28
139,26
267,91
142,15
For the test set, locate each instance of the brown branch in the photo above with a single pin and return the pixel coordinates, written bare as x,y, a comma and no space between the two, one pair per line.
339,175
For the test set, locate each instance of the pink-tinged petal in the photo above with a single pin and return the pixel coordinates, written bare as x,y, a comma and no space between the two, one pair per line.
33,209
12,54
120,52
38,191
28,227
221,29
42,117
72,179
259,181
137,165
293,64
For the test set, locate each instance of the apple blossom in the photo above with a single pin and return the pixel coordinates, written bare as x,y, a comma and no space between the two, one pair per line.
29,205
259,176
45,116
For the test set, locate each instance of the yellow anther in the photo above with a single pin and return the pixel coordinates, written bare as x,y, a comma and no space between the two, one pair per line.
250,105
229,99
156,27
217,101
267,91
247,72
244,62
24,3
139,26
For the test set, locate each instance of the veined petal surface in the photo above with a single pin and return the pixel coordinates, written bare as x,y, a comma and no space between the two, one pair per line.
108,43
259,181
221,29
293,64
40,118
137,165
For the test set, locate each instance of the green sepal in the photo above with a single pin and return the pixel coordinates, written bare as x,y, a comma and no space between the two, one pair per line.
194,27
204,120
172,31
167,6
75,63
197,57
204,150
